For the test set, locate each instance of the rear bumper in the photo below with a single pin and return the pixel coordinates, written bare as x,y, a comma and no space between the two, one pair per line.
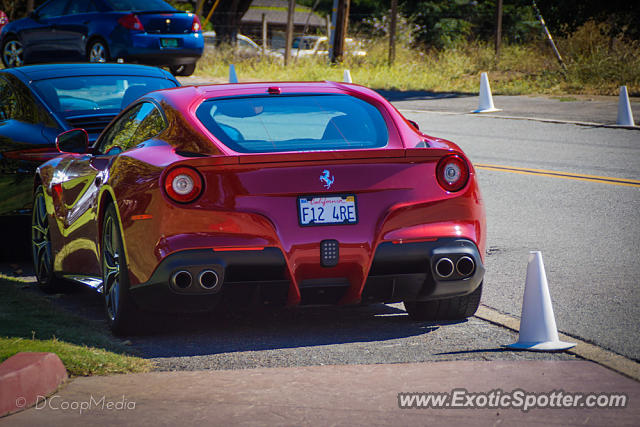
160,58
399,272
148,49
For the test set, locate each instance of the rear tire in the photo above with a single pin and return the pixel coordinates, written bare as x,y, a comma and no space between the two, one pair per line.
184,70
122,315
12,53
98,51
41,246
457,308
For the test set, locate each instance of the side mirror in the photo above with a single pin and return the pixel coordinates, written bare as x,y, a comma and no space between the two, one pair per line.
414,124
73,141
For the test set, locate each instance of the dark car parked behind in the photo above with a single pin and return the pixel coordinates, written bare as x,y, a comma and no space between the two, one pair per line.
39,102
149,32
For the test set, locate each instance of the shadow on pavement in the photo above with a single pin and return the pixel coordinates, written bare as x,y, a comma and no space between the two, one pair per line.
16,230
415,95
232,329
257,329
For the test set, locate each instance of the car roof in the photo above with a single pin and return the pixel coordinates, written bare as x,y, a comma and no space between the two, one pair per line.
48,71
186,96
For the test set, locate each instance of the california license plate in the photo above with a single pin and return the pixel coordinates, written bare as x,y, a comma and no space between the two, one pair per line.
169,42
329,210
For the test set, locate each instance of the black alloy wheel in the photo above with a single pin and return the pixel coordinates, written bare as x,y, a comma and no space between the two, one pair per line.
120,311
41,245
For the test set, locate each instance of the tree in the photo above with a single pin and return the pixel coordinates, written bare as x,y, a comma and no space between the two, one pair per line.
18,9
564,17
225,18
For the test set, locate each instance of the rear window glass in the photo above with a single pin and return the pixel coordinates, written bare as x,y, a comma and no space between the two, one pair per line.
96,94
140,5
294,123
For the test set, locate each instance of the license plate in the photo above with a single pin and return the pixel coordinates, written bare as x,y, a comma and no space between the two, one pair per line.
327,210
169,42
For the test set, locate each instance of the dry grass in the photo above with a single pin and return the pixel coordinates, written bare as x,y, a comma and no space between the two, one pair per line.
597,65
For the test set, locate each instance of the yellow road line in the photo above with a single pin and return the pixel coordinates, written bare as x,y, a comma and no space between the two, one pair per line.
558,174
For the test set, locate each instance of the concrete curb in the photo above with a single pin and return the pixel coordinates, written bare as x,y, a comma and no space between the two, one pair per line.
585,350
25,376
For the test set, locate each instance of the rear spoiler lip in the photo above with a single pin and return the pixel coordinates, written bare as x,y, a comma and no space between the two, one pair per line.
409,154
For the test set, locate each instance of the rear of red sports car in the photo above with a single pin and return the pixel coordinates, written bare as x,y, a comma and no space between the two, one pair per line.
293,193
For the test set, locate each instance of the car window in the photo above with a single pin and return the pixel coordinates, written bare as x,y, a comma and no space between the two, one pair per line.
155,5
138,124
121,131
91,95
294,123
24,106
80,6
151,124
7,100
52,9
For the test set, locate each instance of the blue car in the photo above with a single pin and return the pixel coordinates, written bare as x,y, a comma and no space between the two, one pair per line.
148,32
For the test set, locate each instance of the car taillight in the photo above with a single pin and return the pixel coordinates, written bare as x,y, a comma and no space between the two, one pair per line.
183,184
452,172
131,22
196,26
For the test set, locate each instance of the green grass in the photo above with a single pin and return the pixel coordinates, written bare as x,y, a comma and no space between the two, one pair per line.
30,322
597,65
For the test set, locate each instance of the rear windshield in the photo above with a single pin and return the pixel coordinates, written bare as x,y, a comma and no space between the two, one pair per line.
96,94
294,123
141,5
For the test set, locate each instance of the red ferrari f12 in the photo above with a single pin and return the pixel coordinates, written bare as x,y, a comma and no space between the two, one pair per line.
286,193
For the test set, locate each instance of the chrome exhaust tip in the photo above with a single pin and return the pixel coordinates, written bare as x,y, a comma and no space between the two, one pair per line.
181,279
208,279
444,267
465,266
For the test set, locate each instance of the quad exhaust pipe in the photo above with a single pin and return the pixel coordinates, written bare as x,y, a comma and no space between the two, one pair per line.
181,279
465,266
207,279
445,267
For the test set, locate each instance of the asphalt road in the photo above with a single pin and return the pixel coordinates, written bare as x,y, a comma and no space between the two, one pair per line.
588,232
573,108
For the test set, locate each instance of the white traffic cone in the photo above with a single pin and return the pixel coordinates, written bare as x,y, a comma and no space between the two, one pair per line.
486,100
347,77
625,117
233,78
538,331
